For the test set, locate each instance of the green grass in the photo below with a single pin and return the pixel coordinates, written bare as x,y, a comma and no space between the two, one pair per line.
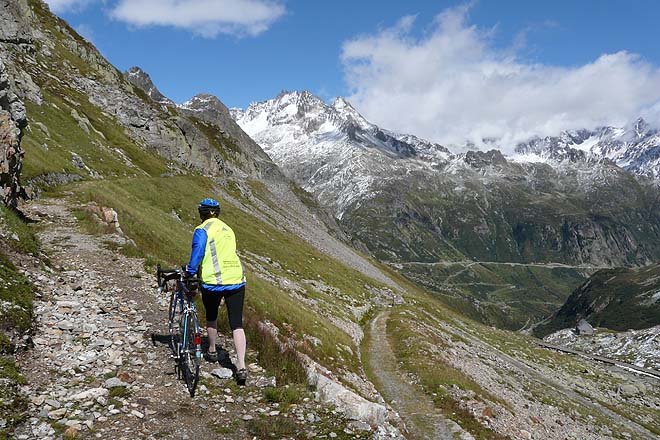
283,395
144,206
27,242
415,352
16,291
15,317
13,404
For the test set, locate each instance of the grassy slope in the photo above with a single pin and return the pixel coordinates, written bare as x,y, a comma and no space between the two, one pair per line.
421,334
15,316
145,207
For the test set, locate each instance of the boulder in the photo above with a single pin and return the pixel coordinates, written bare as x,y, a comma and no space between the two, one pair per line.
583,328
222,373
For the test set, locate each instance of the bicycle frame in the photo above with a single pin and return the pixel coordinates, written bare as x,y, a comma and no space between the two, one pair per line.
185,342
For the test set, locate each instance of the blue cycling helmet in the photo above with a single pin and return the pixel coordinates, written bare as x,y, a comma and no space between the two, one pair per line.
208,206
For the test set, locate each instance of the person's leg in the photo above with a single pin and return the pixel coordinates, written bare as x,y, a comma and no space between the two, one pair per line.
234,301
211,302
241,346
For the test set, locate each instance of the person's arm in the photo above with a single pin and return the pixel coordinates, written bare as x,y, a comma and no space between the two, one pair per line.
197,254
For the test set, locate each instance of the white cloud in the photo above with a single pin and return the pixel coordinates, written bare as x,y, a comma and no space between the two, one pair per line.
451,85
60,6
207,18
86,31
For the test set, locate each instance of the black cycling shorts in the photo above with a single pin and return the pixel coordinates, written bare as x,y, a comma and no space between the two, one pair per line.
233,300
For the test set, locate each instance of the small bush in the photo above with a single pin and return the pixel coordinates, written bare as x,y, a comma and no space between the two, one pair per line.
27,241
285,395
117,392
273,427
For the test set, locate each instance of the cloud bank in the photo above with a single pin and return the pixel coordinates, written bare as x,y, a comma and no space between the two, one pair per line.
60,6
207,18
451,85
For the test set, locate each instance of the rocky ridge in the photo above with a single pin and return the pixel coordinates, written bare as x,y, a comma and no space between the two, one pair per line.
635,147
140,78
12,122
331,150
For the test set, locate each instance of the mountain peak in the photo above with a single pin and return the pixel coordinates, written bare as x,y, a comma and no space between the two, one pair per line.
202,101
642,128
141,79
207,106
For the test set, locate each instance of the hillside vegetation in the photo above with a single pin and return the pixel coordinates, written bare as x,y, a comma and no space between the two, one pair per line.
617,299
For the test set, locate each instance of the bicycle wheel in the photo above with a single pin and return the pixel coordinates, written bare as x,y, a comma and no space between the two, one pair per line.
173,320
190,350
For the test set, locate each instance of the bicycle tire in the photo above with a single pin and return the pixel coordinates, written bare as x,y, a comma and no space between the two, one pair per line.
173,322
190,351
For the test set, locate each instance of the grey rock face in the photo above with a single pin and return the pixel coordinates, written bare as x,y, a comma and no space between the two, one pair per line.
12,121
210,109
140,78
14,27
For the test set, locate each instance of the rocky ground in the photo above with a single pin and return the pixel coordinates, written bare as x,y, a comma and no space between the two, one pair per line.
94,371
547,396
638,347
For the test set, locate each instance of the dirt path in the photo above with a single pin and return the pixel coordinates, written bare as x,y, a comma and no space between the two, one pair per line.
422,420
94,371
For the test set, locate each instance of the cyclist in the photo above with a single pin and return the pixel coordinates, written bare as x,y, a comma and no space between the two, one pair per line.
216,262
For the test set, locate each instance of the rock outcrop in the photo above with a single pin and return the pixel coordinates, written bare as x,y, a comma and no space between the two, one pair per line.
14,27
13,120
140,78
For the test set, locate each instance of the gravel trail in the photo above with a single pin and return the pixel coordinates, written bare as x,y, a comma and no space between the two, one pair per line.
422,419
94,371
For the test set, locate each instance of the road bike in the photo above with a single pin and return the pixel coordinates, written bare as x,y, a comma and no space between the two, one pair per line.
185,338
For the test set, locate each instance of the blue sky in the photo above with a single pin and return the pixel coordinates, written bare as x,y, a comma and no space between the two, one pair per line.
332,48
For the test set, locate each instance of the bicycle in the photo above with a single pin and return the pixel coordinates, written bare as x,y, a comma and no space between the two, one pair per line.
185,337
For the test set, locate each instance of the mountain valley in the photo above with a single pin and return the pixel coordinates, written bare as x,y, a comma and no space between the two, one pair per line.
385,273
422,209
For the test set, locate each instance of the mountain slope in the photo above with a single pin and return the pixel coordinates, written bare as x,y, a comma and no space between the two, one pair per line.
617,299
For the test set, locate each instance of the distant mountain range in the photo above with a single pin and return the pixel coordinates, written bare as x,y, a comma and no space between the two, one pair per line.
635,148
584,199
567,199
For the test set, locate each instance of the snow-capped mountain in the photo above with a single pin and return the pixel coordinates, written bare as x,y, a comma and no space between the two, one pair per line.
409,199
332,150
635,148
